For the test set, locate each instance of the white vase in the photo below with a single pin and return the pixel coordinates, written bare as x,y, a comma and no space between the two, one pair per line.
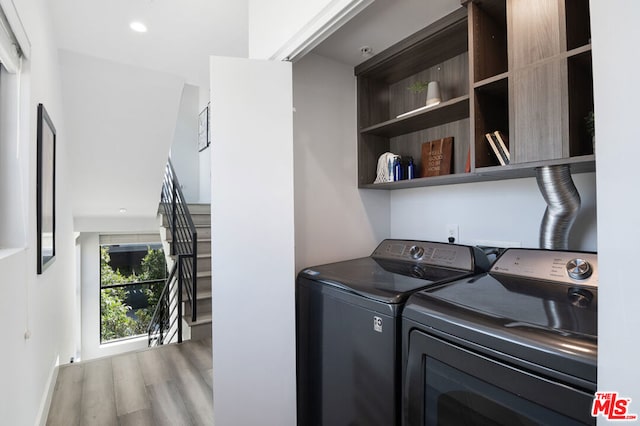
433,93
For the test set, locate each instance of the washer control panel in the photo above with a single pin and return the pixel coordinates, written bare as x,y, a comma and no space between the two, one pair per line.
576,268
426,252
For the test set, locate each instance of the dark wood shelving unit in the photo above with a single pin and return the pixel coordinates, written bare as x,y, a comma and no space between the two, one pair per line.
521,68
438,52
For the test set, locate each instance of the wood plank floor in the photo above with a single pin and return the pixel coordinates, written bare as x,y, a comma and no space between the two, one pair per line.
169,385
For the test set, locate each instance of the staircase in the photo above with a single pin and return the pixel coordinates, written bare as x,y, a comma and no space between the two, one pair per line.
201,215
183,310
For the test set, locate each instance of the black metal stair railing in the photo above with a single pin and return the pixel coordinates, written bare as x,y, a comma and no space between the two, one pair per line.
184,249
166,322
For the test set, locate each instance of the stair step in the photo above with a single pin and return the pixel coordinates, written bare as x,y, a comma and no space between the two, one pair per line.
204,245
203,304
199,208
204,262
204,232
200,331
201,328
194,208
204,291
198,219
204,281
205,318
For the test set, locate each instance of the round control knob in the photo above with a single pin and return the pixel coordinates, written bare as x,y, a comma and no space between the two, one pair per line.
579,269
416,252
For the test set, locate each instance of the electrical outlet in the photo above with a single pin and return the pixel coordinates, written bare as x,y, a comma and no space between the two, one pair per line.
452,234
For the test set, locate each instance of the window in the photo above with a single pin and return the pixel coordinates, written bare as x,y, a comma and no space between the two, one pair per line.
132,277
14,154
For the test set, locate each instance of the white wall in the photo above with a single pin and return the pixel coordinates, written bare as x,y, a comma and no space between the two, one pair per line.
43,305
501,211
334,220
204,170
617,150
124,119
253,240
184,150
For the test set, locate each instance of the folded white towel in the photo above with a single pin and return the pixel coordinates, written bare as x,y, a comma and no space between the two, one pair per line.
385,167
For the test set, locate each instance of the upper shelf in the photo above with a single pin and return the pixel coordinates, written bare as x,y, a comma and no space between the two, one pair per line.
445,112
434,44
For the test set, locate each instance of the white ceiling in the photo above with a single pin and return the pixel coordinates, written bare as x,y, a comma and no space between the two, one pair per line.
182,33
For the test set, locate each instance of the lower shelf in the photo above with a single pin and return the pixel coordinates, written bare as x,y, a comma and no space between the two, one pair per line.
582,164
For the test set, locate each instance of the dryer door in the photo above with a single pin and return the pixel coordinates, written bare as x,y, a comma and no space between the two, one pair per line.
447,384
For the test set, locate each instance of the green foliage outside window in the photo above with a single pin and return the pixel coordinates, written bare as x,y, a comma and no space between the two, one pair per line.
115,318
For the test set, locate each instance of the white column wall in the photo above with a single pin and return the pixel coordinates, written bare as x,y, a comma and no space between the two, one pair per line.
253,243
615,34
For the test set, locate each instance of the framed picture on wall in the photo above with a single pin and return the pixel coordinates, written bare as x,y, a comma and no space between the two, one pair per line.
46,190
204,132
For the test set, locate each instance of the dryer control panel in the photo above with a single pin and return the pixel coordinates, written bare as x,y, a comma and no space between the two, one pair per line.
426,253
574,268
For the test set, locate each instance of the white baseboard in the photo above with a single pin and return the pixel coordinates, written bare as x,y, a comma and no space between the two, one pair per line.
45,404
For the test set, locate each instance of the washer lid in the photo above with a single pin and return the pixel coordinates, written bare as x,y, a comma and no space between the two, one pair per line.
520,301
382,280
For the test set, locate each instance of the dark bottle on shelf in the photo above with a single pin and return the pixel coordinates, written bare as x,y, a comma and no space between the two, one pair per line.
397,169
411,169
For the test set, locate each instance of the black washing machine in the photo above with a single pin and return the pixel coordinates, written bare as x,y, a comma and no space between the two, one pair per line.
349,330
517,345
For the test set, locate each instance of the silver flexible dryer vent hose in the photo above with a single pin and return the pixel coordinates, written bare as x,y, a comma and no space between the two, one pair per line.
563,205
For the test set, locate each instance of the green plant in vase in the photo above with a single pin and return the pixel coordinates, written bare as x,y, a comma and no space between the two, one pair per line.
432,88
418,86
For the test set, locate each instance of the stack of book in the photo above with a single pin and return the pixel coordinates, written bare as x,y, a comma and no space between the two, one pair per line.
500,146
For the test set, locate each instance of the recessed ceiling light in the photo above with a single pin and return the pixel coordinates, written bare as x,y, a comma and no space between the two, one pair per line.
123,210
138,27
